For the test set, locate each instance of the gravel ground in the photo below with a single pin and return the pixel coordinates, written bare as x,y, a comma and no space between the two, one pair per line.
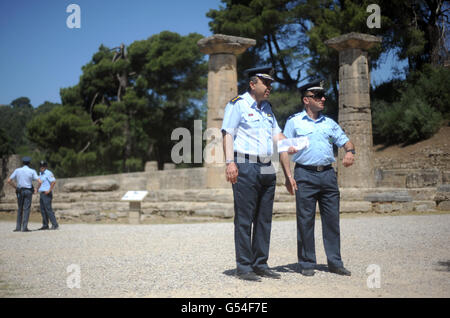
410,253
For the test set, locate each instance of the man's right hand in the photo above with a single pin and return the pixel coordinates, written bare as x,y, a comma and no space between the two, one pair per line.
291,185
232,172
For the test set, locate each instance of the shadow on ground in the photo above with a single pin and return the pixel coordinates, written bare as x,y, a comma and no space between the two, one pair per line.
288,268
444,266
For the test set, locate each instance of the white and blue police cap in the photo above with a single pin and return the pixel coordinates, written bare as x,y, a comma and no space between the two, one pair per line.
313,86
266,72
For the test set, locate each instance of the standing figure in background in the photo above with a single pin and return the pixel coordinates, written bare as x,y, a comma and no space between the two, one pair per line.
24,178
46,184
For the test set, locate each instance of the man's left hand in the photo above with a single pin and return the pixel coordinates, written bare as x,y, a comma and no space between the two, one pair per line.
348,160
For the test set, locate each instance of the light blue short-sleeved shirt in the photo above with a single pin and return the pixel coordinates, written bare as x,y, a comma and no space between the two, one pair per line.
24,177
47,178
252,128
322,134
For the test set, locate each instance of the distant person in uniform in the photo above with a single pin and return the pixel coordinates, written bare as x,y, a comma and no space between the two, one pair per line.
46,184
315,179
24,178
249,129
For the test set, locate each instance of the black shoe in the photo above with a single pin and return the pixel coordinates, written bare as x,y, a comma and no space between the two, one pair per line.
265,272
251,276
43,228
16,230
26,230
340,271
307,271
54,228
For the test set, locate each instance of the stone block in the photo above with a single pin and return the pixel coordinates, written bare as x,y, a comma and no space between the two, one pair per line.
394,196
284,208
391,178
442,193
94,186
444,206
90,218
443,188
74,186
383,207
169,214
103,185
223,210
151,166
393,207
424,206
134,183
445,177
355,206
112,216
169,166
423,179
422,194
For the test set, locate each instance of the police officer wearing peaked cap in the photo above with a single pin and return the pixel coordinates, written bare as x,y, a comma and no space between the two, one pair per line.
24,178
315,180
46,184
249,129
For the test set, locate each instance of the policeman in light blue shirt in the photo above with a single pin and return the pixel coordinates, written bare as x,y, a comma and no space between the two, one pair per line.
315,179
249,129
46,184
24,178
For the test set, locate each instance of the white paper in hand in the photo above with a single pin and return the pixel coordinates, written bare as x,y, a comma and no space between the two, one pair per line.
298,143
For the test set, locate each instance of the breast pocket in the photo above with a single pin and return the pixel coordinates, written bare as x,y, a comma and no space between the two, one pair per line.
303,131
327,134
252,121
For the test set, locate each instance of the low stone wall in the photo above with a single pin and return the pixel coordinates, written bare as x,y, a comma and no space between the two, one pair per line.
411,178
182,194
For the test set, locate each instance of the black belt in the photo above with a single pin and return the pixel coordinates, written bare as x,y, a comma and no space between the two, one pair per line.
252,158
314,168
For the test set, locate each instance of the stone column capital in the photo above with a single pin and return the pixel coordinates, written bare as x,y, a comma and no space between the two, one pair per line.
220,43
353,40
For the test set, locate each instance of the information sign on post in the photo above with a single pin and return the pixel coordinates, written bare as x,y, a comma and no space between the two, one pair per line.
135,198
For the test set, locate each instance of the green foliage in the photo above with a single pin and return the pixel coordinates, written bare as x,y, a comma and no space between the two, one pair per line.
407,121
64,135
284,104
13,119
6,148
124,108
291,36
276,30
433,83
417,113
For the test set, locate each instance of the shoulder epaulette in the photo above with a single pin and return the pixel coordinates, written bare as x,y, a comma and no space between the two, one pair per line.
292,116
235,99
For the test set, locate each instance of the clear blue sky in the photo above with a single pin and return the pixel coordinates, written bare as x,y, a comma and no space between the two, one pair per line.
39,54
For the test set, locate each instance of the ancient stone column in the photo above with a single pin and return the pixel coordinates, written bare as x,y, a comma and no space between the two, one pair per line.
354,107
222,87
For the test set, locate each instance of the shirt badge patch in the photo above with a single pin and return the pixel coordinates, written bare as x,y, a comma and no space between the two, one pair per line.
250,115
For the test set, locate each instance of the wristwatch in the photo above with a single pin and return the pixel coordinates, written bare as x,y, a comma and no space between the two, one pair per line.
351,150
229,161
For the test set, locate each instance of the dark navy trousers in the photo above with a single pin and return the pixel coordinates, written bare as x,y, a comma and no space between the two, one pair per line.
253,194
317,187
24,197
45,203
